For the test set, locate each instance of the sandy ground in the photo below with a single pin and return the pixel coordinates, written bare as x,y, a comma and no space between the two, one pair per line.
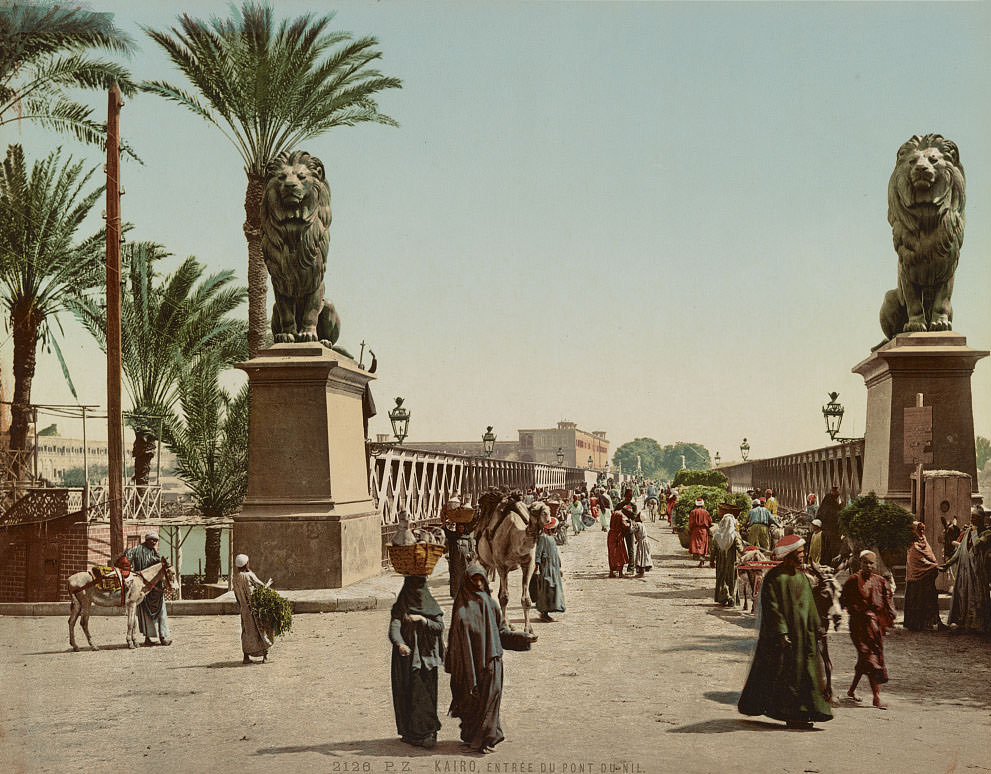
639,676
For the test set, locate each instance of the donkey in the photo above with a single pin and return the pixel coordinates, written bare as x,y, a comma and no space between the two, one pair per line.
83,591
750,579
826,592
506,540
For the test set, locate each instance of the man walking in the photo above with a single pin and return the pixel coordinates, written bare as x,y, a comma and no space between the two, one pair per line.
784,681
628,535
868,599
829,515
759,521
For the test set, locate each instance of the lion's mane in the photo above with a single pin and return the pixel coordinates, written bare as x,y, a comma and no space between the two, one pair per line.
927,221
295,234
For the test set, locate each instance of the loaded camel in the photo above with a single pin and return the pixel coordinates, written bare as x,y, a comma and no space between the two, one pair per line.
506,540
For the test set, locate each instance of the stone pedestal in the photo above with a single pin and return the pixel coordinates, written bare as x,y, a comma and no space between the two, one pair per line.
307,520
939,365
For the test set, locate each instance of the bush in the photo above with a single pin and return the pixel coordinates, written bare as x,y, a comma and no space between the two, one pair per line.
877,523
713,496
688,477
272,610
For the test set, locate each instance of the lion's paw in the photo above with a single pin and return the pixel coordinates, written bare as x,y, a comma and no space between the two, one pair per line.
307,336
284,338
915,327
941,324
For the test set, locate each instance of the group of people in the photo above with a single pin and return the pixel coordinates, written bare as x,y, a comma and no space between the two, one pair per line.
969,564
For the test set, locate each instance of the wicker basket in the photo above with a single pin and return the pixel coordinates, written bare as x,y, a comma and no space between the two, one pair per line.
417,559
461,515
725,508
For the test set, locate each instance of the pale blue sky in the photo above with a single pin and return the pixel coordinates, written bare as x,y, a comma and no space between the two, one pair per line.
656,219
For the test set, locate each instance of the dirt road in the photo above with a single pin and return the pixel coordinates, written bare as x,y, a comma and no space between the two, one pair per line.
638,677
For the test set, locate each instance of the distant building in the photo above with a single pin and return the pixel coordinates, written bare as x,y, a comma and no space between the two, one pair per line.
536,445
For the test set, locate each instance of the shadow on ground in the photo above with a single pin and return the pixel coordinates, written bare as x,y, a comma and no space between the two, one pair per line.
723,697
729,725
734,616
686,593
390,748
715,643
82,649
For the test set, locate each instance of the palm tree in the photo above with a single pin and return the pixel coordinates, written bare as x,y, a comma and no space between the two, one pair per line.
210,441
165,323
268,90
43,270
44,53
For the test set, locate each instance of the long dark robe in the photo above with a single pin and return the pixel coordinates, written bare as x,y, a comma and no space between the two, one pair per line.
616,543
546,585
474,661
414,677
153,620
726,575
871,613
921,598
784,682
829,515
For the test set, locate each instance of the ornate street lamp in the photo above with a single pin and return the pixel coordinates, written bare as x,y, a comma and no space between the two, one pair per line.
744,450
832,412
560,456
717,458
488,441
399,417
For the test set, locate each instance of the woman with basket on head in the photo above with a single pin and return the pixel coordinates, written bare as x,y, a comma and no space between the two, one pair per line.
459,521
416,631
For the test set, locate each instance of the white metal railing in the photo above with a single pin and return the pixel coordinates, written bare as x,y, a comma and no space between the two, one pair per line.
420,482
140,502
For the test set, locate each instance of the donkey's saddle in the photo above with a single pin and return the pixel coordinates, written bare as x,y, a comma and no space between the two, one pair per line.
108,578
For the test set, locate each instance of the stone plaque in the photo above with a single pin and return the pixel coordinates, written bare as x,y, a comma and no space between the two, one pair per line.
918,435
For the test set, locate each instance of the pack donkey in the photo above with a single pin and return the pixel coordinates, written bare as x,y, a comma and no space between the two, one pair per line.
85,590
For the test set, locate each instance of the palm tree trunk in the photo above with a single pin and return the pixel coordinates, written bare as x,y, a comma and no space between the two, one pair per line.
143,451
257,273
25,321
212,574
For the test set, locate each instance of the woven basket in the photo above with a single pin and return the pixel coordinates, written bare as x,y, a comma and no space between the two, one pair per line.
461,515
725,508
417,559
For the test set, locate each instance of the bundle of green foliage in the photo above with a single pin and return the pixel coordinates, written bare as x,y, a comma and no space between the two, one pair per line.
877,523
712,496
273,611
689,477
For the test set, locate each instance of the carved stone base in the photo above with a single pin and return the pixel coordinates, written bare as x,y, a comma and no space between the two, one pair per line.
939,365
307,520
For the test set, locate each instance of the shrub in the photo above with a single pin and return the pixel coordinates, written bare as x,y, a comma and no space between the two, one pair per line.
272,610
713,496
688,477
877,523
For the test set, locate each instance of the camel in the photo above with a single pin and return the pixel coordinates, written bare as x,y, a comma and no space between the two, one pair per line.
506,540
84,592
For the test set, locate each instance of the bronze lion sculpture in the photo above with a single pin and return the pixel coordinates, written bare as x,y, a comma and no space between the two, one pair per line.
925,210
295,218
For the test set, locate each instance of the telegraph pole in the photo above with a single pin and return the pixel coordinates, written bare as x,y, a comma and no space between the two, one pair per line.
115,430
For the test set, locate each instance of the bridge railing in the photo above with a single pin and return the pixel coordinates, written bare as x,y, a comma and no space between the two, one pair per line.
420,482
32,505
794,476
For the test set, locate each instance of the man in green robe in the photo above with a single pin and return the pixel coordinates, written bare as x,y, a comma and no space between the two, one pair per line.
784,680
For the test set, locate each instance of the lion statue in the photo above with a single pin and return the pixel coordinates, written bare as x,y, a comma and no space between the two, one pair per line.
925,210
295,219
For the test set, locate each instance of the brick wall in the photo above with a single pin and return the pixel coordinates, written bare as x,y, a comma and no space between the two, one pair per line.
13,556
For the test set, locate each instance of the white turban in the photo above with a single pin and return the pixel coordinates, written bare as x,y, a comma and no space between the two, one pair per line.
151,535
240,560
871,554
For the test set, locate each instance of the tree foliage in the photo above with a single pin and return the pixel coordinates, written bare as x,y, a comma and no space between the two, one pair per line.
45,53
44,270
689,477
166,322
877,523
983,448
649,451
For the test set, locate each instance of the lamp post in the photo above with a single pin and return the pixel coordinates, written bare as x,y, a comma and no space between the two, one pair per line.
560,456
744,450
832,412
717,458
488,441
399,417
